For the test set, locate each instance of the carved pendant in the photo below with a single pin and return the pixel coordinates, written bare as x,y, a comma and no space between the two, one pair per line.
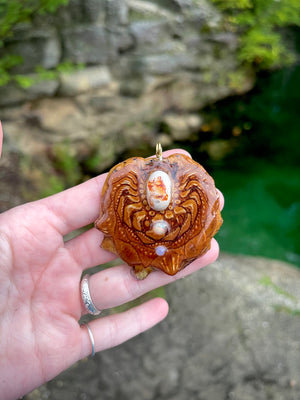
158,213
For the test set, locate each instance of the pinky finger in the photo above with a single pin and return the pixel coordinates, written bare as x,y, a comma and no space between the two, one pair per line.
115,329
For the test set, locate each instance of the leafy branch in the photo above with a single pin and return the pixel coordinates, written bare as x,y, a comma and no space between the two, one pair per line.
260,23
12,13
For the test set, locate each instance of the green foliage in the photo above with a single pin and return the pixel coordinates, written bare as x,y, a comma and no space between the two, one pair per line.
237,78
66,171
42,74
54,185
93,162
66,163
24,81
260,23
12,13
7,62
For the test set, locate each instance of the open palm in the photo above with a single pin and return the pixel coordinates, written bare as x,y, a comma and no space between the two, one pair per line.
40,302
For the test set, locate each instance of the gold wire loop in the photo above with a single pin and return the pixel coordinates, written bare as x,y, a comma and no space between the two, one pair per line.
158,151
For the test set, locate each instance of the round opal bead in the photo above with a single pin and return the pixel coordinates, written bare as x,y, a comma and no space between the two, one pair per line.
159,190
160,227
160,250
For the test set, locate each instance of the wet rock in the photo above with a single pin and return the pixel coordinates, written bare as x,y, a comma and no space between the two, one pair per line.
182,126
116,13
12,93
172,5
148,10
86,44
232,333
218,149
164,139
93,10
161,64
122,40
60,116
141,61
69,14
84,80
228,39
78,12
36,47
150,32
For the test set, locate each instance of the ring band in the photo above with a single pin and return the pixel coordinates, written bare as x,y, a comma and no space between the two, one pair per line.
86,296
91,338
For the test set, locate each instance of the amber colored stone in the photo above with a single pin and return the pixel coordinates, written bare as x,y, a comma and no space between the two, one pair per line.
130,226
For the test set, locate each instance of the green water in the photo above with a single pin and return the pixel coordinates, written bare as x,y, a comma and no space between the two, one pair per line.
262,212
261,177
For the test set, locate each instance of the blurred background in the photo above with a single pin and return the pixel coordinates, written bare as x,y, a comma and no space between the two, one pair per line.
85,84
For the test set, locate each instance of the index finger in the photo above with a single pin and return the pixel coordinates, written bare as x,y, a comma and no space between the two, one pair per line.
76,207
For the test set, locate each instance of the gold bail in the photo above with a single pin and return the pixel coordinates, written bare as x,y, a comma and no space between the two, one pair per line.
158,151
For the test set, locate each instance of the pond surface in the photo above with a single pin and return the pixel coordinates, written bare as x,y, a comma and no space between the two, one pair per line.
260,178
262,212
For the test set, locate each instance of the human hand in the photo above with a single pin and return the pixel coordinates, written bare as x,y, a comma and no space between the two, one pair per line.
40,301
1,138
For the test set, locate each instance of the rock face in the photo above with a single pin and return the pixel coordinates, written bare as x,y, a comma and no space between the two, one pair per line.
232,334
145,65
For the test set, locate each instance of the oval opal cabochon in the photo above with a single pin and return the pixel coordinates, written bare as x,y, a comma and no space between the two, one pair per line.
159,189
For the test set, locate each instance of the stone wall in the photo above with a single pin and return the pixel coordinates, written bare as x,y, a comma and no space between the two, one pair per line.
149,67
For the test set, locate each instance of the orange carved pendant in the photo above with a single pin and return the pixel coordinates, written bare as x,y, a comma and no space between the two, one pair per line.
158,213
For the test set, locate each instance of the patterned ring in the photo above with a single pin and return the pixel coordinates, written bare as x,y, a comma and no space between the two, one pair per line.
86,296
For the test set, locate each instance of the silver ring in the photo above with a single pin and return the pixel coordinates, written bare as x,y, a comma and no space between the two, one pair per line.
91,338
86,296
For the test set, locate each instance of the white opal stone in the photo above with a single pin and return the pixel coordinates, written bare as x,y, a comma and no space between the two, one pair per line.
161,227
159,190
160,250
